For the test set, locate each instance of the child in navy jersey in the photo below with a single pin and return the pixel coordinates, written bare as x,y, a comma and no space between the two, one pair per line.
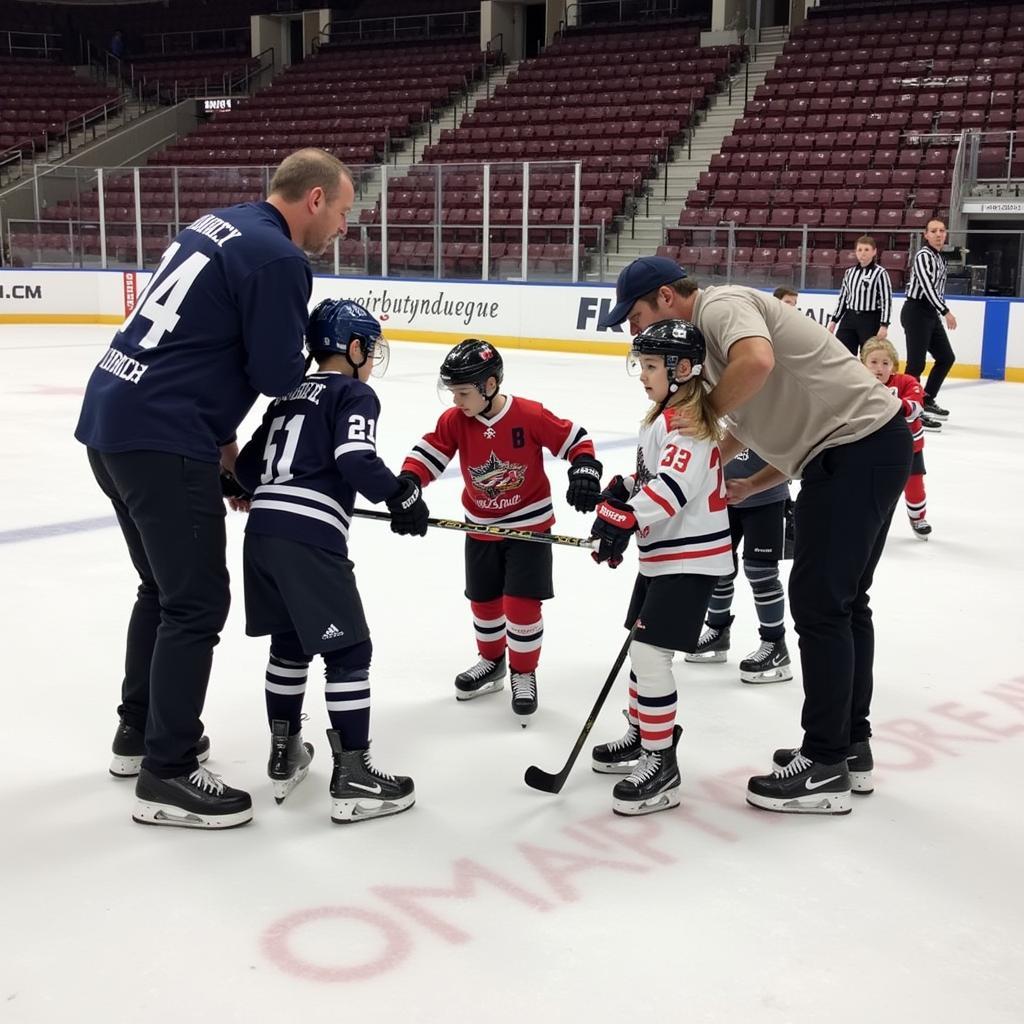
675,502
500,440
315,449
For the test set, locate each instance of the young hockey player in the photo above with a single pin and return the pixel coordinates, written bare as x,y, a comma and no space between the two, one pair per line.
500,440
676,503
315,449
879,356
760,522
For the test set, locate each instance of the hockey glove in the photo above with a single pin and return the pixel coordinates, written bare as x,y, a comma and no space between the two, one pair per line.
616,490
584,484
231,488
409,512
614,525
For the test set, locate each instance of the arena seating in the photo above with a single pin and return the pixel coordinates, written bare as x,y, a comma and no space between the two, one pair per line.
37,100
557,108
855,130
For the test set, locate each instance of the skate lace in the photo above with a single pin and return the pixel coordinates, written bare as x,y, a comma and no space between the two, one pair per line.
710,635
204,779
480,669
646,768
795,767
524,685
764,652
375,772
626,741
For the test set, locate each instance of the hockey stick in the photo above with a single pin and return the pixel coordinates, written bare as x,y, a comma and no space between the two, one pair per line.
590,543
537,778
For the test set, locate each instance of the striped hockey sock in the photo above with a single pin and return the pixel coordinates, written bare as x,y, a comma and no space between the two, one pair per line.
525,633
285,686
720,605
655,694
769,597
489,625
348,694
913,493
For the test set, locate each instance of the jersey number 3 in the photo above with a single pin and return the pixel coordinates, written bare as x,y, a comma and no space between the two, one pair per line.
163,296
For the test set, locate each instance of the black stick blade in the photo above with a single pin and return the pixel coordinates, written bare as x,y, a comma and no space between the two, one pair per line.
536,778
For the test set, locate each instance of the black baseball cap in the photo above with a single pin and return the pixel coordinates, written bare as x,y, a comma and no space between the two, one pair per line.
640,278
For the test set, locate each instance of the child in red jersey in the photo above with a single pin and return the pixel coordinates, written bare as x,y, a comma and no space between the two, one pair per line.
500,440
879,356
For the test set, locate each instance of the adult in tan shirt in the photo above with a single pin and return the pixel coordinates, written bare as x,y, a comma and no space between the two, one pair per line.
789,390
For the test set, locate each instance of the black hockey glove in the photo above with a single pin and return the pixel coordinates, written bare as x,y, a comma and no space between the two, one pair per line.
614,525
616,490
584,483
231,488
409,512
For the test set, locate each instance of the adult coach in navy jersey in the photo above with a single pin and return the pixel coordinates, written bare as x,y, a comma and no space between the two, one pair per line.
222,320
790,390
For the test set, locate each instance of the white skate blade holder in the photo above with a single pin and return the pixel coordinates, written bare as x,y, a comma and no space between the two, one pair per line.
146,813
818,803
661,802
346,811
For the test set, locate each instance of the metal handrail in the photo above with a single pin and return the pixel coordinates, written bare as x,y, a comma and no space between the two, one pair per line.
191,34
402,27
50,43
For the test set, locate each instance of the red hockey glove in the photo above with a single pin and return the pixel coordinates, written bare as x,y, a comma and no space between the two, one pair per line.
614,525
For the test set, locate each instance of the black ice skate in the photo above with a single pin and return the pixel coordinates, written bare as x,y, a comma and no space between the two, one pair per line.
485,676
802,786
859,763
620,756
359,791
199,800
712,646
524,694
653,785
930,422
289,759
932,408
768,664
921,527
129,748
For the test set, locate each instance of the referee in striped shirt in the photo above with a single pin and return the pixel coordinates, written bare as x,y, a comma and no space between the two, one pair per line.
924,304
865,299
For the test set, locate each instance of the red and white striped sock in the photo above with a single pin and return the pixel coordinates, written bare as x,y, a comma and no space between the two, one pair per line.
525,633
655,694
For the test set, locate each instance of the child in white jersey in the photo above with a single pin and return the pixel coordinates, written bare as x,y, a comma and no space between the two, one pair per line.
676,503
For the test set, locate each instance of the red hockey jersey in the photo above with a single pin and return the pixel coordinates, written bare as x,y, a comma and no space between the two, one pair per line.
502,461
909,391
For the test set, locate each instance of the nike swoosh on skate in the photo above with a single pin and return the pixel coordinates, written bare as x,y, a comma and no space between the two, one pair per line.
376,789
814,785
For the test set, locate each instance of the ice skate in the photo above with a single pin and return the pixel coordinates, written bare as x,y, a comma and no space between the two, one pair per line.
713,646
619,757
198,800
768,664
129,748
524,694
289,759
802,786
359,791
653,785
485,676
859,763
921,527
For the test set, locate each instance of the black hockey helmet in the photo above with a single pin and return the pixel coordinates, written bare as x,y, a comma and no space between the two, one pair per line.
674,340
335,323
472,361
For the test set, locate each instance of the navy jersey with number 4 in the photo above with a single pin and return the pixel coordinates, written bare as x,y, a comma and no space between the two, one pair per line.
316,447
221,320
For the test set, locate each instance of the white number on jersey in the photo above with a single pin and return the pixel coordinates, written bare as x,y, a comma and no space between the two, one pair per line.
162,298
362,429
282,471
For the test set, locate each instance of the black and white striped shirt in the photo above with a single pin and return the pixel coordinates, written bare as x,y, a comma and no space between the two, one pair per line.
928,278
865,290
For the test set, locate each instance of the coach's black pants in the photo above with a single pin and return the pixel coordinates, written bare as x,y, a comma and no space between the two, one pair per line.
926,336
847,496
855,328
172,516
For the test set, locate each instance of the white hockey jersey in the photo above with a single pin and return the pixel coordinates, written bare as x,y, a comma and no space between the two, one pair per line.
678,495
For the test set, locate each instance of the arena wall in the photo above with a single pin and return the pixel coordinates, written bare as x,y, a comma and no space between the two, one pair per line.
989,341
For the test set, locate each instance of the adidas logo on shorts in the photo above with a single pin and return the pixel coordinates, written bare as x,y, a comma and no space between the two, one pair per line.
332,632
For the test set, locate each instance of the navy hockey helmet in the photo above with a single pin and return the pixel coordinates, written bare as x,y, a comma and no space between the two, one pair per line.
673,340
472,361
335,323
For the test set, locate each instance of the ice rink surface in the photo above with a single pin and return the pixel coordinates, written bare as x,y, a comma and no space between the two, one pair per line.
488,901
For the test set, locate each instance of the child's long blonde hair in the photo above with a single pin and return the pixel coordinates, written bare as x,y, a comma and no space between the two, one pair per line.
877,344
691,397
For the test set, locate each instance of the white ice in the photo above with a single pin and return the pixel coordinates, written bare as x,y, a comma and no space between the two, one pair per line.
489,901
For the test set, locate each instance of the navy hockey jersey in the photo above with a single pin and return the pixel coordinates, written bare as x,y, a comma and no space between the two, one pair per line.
221,320
316,447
